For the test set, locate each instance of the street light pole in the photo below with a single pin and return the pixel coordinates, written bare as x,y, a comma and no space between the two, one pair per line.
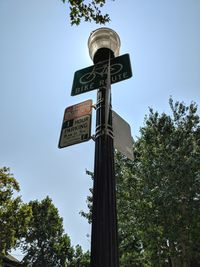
103,45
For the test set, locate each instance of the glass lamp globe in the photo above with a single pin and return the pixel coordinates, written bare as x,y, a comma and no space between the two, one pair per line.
103,38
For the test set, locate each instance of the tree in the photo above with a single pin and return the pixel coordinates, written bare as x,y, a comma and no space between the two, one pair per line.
89,12
160,190
14,215
158,194
170,168
129,186
45,243
80,259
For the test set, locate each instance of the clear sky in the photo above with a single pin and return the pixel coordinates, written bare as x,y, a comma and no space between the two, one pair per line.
39,53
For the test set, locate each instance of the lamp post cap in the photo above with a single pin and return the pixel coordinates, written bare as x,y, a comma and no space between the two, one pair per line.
103,38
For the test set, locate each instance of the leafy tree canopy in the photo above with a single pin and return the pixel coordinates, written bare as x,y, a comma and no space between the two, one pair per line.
158,194
87,10
45,243
80,258
14,215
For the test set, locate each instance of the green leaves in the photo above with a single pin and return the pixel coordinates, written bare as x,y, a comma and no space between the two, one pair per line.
87,12
80,259
170,167
45,243
158,194
36,228
14,215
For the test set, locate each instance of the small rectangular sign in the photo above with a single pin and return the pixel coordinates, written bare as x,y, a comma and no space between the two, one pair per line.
78,110
76,126
122,136
95,76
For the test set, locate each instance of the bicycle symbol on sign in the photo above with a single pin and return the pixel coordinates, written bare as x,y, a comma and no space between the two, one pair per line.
100,71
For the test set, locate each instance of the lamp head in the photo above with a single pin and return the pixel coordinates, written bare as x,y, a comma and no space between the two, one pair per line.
104,40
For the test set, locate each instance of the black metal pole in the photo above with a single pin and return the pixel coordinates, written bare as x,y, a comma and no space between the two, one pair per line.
104,243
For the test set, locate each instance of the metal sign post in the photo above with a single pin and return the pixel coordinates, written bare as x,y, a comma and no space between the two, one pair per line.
108,68
104,240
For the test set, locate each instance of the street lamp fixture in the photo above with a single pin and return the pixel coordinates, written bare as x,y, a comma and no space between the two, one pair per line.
103,39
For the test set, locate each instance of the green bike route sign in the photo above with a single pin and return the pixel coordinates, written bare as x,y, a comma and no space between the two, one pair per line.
95,76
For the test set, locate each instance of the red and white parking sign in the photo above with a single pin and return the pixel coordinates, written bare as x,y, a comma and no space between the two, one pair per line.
76,126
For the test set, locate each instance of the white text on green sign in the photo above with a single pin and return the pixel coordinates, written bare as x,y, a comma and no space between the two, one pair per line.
95,76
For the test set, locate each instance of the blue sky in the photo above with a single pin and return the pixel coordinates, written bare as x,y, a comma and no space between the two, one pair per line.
39,53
